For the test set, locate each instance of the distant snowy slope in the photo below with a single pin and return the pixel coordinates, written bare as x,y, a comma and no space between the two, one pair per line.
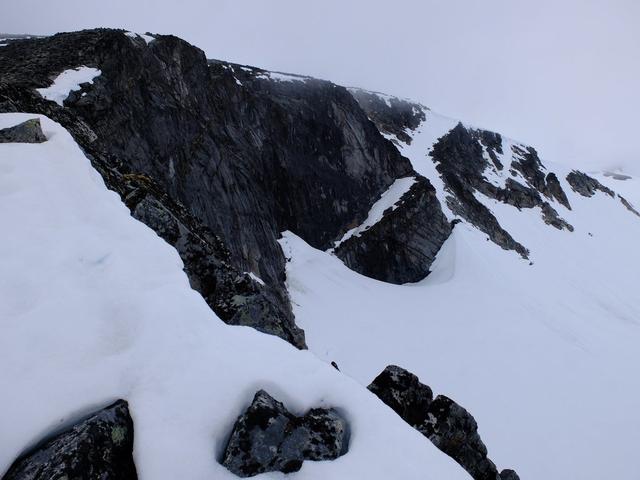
94,306
544,353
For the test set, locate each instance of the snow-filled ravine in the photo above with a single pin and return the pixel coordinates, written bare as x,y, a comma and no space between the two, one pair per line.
94,306
546,355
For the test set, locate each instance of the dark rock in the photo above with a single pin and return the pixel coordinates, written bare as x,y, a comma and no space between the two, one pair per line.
401,247
26,132
585,185
97,448
454,431
267,438
551,217
392,116
247,156
233,295
449,426
555,190
402,391
628,205
459,160
508,474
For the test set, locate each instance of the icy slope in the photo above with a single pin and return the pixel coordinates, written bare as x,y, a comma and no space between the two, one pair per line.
94,306
545,355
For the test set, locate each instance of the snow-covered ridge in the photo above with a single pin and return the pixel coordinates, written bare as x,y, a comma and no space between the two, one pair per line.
388,199
95,306
67,82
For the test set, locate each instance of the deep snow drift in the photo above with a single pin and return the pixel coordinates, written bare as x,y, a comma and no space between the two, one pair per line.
94,306
544,355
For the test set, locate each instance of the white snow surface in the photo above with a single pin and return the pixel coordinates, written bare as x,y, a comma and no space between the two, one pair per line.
94,306
147,38
67,82
545,356
387,200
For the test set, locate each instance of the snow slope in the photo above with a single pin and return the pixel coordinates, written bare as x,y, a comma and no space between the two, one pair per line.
545,356
94,306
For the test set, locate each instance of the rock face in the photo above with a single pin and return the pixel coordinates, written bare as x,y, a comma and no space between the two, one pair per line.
585,185
26,132
267,438
392,116
97,448
449,426
401,247
247,155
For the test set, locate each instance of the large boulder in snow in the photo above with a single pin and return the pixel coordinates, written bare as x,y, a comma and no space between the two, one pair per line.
402,391
400,247
96,448
26,132
449,426
267,438
454,431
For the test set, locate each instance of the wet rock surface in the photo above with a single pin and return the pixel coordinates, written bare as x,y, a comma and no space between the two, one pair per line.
402,246
267,438
26,132
449,426
96,448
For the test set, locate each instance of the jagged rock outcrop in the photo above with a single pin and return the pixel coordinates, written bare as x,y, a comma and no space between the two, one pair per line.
247,155
454,431
460,160
26,132
585,185
449,426
400,247
233,295
96,448
267,438
402,391
392,116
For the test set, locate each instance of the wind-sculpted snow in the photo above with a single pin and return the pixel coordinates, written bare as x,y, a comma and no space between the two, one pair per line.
95,306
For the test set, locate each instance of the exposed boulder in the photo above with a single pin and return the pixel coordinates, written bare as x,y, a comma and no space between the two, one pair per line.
402,391
450,427
96,448
26,132
267,438
454,431
402,246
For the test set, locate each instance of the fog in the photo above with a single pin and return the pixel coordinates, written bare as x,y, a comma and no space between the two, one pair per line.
562,76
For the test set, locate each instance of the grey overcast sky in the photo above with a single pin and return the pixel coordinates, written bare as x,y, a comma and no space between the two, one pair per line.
561,75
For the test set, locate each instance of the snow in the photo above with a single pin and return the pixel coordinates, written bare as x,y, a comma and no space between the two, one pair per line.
255,277
94,306
147,38
67,82
281,77
387,200
424,137
535,352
